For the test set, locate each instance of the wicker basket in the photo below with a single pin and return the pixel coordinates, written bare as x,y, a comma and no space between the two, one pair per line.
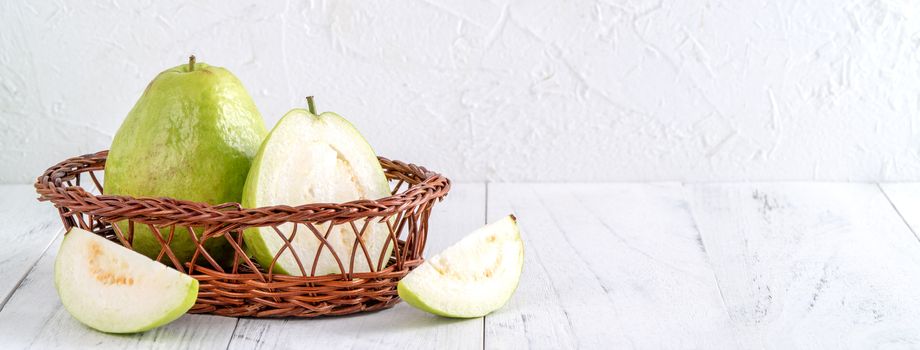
246,288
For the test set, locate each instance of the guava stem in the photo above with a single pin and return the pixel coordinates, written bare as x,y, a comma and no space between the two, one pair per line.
191,63
310,104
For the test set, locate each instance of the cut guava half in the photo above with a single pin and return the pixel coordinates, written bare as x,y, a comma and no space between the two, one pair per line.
309,158
471,278
116,290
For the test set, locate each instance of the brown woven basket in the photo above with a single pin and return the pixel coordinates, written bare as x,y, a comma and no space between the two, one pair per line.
246,288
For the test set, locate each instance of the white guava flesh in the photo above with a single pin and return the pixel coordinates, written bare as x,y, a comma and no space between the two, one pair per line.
116,290
310,158
471,278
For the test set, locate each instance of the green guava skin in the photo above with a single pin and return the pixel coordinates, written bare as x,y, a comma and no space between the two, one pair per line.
186,305
192,135
410,297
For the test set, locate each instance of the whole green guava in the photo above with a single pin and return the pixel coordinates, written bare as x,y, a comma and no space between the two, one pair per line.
192,135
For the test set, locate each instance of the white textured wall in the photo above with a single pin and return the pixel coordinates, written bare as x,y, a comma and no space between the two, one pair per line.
529,90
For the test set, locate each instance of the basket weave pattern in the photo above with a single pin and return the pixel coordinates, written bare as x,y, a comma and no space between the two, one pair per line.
245,288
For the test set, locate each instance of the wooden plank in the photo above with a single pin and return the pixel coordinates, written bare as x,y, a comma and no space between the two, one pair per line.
608,266
28,229
401,327
905,197
812,266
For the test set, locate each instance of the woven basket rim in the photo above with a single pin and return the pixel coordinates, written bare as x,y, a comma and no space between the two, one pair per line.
52,186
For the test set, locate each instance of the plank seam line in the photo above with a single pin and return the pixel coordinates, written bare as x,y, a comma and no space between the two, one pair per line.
485,218
232,334
699,231
896,210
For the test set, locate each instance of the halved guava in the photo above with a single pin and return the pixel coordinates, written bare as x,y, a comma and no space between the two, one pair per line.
471,278
116,290
309,158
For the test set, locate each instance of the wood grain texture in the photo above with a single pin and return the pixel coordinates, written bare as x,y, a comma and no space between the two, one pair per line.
28,229
608,266
812,266
35,318
401,327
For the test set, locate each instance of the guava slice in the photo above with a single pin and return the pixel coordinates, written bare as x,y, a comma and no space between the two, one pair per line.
113,289
309,158
471,278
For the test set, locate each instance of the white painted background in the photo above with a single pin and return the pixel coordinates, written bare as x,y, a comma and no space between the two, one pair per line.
504,91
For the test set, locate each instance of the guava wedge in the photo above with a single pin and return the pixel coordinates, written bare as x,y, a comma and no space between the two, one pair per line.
115,290
316,158
191,135
471,278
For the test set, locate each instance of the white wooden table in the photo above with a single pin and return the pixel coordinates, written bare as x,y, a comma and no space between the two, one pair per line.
668,265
